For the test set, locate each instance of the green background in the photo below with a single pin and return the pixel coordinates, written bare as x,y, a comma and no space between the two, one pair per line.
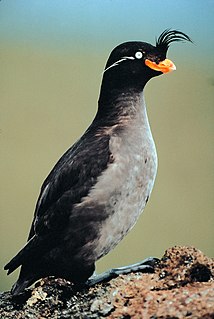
51,61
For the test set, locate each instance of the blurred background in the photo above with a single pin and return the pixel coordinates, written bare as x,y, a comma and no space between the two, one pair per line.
51,61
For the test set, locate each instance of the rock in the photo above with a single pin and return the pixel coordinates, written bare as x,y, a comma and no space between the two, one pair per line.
182,286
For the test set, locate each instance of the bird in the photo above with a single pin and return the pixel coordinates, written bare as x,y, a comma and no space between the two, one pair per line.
95,193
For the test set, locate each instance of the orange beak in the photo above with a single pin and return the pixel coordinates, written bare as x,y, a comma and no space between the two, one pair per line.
164,66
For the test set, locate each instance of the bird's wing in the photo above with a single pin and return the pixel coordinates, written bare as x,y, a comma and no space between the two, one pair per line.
69,181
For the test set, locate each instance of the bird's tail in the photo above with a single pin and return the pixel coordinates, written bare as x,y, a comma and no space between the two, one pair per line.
27,257
26,277
30,252
21,284
19,259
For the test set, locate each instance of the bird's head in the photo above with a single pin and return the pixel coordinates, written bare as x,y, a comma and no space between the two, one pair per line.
132,64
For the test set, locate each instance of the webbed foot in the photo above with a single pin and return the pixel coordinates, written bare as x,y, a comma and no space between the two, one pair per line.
147,265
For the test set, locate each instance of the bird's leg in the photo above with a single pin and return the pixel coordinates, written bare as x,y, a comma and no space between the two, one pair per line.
147,265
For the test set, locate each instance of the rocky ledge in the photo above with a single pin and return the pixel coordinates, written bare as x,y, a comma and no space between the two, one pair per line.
182,286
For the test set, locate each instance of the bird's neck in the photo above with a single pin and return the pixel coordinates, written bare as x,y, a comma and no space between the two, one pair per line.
119,105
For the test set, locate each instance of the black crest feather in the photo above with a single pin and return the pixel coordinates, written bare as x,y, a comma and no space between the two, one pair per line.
168,36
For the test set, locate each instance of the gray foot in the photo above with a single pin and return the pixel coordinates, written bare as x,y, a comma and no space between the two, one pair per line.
146,265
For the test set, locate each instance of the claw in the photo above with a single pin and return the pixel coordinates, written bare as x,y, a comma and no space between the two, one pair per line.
146,265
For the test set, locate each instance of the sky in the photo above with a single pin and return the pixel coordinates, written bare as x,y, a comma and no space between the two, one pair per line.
92,22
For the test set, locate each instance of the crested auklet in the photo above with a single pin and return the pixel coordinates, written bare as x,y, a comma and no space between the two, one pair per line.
96,191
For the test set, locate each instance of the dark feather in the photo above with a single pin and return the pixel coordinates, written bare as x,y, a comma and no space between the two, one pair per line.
68,219
168,36
35,244
70,180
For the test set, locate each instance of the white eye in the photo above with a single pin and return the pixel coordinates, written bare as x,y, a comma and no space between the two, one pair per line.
138,55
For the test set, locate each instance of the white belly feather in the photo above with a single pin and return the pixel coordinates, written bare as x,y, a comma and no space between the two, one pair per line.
128,180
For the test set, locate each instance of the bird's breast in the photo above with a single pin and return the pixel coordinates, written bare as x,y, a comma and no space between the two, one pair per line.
125,186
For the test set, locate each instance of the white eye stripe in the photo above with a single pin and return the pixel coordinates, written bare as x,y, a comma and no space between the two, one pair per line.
138,55
119,61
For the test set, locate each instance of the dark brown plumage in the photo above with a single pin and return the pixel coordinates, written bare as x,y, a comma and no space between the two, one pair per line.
97,190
